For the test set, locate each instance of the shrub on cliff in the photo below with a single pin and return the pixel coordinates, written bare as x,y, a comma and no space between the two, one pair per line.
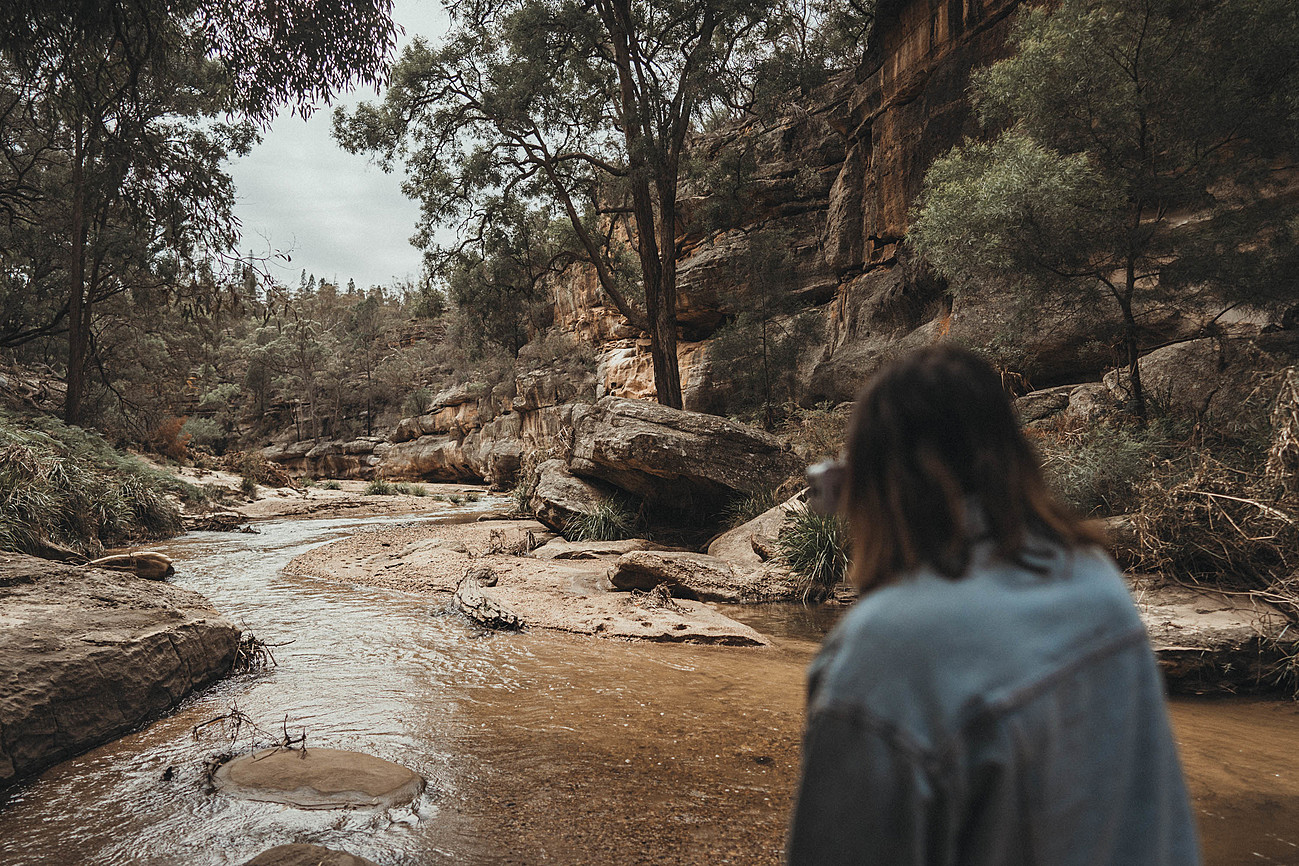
1133,165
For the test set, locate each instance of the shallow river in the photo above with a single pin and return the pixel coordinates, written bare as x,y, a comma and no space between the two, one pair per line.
538,747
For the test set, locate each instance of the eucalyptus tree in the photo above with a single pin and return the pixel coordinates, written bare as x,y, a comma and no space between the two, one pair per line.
584,107
1141,157
131,107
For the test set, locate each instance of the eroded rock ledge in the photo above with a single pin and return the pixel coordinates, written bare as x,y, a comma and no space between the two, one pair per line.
88,654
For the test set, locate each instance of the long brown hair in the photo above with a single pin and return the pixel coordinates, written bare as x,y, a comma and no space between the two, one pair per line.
937,462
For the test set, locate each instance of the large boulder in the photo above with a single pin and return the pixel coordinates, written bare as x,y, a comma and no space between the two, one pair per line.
1208,378
87,655
682,460
1212,643
747,545
329,458
560,496
435,458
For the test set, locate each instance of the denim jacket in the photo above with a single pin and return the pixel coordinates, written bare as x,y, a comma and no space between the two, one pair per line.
1008,717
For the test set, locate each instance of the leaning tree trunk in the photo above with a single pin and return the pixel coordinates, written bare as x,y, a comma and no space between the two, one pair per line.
1131,347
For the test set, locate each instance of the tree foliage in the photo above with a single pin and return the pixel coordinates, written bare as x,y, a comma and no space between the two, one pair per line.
1140,156
116,118
584,108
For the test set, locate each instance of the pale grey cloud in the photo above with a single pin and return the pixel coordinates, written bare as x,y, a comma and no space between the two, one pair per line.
335,214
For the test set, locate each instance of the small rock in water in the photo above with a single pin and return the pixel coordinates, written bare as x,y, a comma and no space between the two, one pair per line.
307,855
473,602
318,778
484,574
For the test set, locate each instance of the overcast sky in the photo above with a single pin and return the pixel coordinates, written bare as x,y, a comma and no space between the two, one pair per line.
335,214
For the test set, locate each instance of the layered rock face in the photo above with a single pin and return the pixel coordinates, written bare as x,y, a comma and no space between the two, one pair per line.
88,654
833,186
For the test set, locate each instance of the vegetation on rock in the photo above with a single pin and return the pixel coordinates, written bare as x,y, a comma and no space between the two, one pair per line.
1138,164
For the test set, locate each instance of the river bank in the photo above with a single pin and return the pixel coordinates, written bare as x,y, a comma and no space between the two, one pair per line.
540,746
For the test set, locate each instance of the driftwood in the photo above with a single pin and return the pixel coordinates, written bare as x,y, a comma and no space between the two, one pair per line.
146,564
217,521
471,600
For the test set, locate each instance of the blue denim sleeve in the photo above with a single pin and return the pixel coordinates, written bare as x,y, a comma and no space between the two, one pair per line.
865,797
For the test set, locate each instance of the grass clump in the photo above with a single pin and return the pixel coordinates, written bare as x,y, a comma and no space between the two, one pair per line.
742,509
612,520
331,484
66,486
815,547
380,487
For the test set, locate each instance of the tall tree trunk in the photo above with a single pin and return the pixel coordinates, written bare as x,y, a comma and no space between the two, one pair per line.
78,305
1130,345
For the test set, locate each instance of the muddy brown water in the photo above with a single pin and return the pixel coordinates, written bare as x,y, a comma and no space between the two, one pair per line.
538,747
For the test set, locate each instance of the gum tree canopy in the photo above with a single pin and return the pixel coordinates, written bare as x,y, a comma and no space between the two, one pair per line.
1146,156
585,108
115,117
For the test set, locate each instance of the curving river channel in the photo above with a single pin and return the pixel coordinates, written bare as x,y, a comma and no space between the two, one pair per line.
538,747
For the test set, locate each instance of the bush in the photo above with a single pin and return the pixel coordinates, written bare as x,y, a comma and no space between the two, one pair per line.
168,440
816,434
1098,469
612,520
379,487
417,402
67,486
521,498
253,466
331,484
203,431
815,546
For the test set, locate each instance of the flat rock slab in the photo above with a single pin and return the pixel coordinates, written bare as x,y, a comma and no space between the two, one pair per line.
307,855
1207,642
566,595
318,779
87,655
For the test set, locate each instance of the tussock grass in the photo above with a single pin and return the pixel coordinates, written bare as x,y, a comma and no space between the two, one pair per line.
380,487
815,547
742,509
612,520
67,486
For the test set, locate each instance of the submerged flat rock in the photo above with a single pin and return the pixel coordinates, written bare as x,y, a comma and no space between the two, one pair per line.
318,779
307,855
